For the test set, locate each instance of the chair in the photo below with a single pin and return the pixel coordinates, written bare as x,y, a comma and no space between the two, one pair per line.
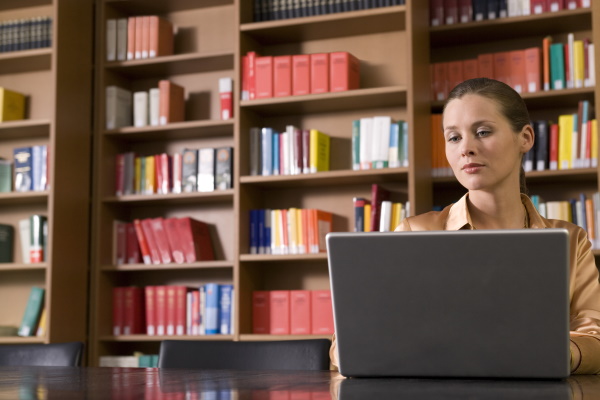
311,354
52,355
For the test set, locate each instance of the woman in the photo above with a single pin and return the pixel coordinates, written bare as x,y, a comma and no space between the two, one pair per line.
487,131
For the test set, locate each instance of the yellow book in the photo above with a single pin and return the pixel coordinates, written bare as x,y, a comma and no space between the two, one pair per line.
565,134
578,63
42,325
594,133
137,179
12,105
396,215
367,227
300,232
319,151
149,176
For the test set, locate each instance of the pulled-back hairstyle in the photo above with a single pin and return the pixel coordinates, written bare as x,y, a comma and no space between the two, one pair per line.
510,105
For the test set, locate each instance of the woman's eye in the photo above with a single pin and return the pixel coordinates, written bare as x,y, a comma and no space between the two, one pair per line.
483,133
452,139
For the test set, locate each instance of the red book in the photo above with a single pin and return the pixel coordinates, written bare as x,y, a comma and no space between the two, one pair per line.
282,76
143,243
518,73
133,255
450,12
502,67
533,69
145,36
134,311
176,168
264,77
171,102
180,310
344,71
131,38
150,293
440,80
195,239
171,312
323,224
465,11
164,177
174,239
160,306
260,312
162,242
539,6
485,64
555,5
470,69
553,159
300,317
436,12
280,312
322,312
118,310
226,98
455,74
160,37
378,194
139,34
319,73
119,174
151,240
120,243
252,55
300,74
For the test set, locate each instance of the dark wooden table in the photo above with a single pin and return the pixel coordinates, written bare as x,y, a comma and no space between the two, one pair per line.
173,384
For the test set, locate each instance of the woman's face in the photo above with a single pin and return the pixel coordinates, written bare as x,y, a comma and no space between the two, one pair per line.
481,147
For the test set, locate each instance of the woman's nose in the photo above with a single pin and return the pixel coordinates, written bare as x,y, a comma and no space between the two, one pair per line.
467,146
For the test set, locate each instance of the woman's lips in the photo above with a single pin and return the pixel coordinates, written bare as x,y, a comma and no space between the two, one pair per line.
472,168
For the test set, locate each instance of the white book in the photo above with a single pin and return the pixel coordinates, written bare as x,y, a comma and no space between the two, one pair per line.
591,66
385,219
366,140
571,61
140,109
119,361
118,107
579,212
525,7
514,8
111,39
122,39
39,174
206,169
382,125
25,236
267,151
284,153
154,106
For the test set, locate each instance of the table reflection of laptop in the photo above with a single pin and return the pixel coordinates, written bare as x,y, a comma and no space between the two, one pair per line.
485,304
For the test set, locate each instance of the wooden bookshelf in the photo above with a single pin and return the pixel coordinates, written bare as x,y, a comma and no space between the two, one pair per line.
57,83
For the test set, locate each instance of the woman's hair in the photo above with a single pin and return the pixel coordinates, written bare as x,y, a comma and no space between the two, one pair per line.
510,104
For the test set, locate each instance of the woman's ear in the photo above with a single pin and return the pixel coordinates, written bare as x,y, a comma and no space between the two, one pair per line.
527,138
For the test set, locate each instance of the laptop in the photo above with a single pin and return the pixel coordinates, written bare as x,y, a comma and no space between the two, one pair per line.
468,304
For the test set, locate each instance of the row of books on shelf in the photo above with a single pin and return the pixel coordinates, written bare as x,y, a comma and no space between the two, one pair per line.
138,37
162,241
193,170
25,34
173,310
294,151
33,234
290,75
449,12
379,142
137,360
379,214
554,66
34,321
29,168
269,10
583,211
292,312
289,231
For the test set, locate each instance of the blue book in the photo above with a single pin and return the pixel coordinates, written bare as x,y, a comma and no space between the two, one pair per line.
267,231
254,232
225,307
356,144
23,161
267,151
394,148
211,323
276,144
404,145
39,155
260,221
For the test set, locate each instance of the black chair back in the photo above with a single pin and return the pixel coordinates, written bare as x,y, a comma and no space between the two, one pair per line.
310,354
53,355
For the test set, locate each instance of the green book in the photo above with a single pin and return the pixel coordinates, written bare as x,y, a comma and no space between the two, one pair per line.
557,66
5,176
7,235
32,313
356,144
145,361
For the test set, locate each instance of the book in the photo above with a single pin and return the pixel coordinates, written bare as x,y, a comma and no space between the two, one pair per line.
133,318
150,309
557,66
121,39
319,151
542,139
160,40
533,69
133,253
344,70
143,243
279,312
150,238
12,105
319,73
225,309
23,163
140,109
154,106
7,238
261,312
6,173
33,310
160,307
223,168
42,327
378,195
226,98
119,242
24,238
565,123
111,39
39,167
264,77
518,71
195,239
131,37
171,103
189,170
118,107
212,322
322,312
36,241
161,237
174,239
206,169
300,312
301,73
282,76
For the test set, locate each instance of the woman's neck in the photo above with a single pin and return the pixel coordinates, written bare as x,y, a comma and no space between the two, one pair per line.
496,211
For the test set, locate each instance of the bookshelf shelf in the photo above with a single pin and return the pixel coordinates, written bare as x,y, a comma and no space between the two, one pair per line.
145,7
174,65
21,340
146,338
11,267
354,23
25,61
330,178
167,267
253,337
37,128
558,176
327,102
514,27
282,257
173,198
16,198
176,130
